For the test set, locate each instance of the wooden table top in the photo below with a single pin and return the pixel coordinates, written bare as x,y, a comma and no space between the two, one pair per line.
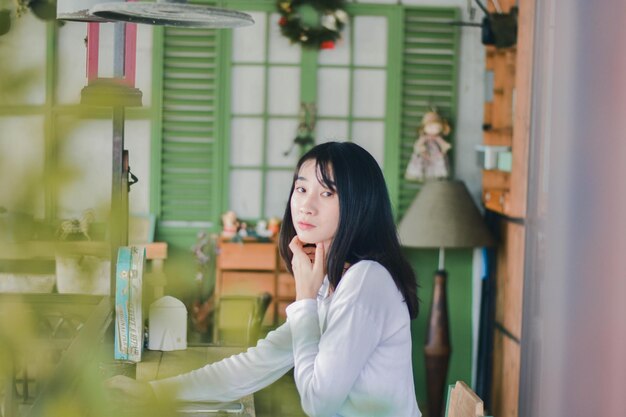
157,365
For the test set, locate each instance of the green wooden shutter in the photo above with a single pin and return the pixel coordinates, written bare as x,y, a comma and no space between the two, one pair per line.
188,165
429,77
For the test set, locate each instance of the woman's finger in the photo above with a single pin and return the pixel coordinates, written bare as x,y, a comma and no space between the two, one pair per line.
310,252
295,244
318,265
299,257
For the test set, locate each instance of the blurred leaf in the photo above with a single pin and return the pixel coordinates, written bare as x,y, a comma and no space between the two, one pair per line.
5,21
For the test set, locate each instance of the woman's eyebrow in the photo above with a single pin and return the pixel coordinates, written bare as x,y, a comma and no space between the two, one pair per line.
300,178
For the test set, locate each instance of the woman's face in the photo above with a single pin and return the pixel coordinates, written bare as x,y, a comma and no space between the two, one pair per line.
314,208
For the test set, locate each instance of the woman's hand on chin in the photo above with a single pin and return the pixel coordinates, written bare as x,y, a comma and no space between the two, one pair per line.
308,273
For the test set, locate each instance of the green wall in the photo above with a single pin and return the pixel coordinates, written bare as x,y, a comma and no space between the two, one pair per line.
458,263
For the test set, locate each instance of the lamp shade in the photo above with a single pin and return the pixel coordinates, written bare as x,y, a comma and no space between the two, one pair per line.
443,215
170,13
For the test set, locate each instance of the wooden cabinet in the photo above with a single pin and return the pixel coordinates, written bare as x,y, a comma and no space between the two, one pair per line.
251,268
286,293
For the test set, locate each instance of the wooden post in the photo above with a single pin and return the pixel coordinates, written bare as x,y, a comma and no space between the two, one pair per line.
437,348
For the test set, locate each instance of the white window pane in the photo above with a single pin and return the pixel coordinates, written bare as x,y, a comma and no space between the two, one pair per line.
86,149
249,41
284,90
106,50
331,130
143,69
71,77
371,136
281,49
340,54
246,138
137,134
370,40
333,86
248,90
21,164
23,61
281,134
369,93
278,184
245,193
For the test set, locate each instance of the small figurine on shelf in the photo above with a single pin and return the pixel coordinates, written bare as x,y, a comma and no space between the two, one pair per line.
273,226
243,230
77,229
81,274
230,224
261,229
429,159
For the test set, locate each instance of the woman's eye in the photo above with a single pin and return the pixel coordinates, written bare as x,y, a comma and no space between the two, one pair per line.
300,189
327,194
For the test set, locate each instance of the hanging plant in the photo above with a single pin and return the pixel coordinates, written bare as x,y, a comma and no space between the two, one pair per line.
332,18
43,9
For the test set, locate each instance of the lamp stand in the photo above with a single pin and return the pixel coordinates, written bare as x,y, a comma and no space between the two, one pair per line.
437,349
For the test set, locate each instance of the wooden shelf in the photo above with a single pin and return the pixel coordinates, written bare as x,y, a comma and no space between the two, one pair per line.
50,249
502,136
494,179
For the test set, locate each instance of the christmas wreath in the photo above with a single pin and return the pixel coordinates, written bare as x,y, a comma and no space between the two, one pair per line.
332,19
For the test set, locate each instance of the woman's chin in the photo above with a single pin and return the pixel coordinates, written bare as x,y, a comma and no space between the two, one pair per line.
307,239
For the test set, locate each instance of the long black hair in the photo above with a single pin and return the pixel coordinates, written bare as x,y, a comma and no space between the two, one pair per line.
366,228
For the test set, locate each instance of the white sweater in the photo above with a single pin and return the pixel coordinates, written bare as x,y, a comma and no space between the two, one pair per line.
351,350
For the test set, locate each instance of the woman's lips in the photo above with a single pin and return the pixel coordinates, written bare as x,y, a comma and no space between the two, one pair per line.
305,226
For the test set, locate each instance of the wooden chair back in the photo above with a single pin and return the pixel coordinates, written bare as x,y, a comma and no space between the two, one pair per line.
239,318
463,402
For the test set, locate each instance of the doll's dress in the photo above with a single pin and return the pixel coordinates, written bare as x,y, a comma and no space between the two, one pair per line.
429,158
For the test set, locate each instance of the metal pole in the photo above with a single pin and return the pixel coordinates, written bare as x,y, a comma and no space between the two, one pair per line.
118,234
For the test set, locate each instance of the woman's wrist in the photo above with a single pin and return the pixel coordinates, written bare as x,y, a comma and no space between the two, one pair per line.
305,293
305,297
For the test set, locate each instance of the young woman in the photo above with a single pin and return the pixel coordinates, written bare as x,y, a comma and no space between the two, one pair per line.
347,335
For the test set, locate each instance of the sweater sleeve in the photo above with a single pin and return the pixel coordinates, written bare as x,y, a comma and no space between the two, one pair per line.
327,366
236,376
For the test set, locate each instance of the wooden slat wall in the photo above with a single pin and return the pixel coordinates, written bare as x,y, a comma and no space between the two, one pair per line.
505,193
510,279
506,370
523,83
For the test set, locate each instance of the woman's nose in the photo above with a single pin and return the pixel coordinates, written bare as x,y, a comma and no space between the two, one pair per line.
307,206
306,209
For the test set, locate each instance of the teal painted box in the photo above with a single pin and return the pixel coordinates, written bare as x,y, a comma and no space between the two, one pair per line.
128,314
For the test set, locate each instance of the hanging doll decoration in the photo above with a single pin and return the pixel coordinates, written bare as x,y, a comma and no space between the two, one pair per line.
304,134
429,159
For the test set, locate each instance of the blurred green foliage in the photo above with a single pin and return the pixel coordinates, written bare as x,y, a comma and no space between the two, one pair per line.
11,11
31,346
